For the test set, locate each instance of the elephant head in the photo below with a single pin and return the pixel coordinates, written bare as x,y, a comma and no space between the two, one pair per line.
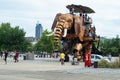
62,23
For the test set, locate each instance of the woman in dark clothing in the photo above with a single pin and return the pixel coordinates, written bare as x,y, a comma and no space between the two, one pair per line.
6,55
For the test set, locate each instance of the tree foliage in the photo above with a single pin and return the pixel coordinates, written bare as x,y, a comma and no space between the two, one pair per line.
110,46
45,43
12,38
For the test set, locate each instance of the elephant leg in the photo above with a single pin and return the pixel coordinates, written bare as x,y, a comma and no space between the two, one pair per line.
78,55
78,48
88,47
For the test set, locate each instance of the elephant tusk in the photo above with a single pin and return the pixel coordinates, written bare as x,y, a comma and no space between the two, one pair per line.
51,33
65,33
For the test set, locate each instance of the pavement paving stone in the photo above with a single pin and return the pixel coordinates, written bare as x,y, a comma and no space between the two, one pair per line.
51,69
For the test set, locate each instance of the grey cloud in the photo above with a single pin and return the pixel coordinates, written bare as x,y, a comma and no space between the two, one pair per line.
27,12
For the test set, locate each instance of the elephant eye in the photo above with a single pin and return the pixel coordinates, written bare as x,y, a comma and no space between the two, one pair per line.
69,21
61,18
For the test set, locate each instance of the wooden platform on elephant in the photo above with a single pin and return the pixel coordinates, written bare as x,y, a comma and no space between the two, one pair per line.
91,39
70,36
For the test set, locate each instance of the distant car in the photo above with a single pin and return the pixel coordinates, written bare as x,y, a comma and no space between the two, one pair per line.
97,58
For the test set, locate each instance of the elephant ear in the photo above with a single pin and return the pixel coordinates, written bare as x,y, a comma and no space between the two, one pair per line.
78,26
55,21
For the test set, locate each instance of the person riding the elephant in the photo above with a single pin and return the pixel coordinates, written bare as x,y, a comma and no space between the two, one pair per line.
72,11
93,32
86,24
90,31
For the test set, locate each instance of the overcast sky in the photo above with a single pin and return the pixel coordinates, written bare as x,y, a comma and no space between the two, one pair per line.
26,13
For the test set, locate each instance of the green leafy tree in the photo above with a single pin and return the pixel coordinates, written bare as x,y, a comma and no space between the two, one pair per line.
45,43
12,38
110,46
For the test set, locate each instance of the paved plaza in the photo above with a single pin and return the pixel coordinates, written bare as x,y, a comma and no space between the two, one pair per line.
51,69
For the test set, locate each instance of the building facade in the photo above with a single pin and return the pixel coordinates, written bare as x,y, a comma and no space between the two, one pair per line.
38,31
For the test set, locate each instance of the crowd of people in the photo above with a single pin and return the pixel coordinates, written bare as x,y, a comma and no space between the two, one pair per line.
4,55
89,29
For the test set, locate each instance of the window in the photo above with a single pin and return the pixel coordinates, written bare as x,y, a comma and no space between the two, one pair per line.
92,57
97,57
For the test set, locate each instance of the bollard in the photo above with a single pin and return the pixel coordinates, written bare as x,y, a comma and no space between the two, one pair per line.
96,64
24,57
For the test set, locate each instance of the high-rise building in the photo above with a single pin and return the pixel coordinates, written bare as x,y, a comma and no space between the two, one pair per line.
38,31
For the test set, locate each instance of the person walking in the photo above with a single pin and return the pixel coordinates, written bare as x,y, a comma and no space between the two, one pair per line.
5,56
1,54
16,56
87,60
62,58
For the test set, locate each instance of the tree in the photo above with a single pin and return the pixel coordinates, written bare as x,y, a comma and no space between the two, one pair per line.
110,46
45,43
12,38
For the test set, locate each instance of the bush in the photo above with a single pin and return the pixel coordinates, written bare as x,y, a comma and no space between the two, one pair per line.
103,64
115,64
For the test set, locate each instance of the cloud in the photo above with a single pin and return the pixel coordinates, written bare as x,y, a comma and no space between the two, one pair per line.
26,13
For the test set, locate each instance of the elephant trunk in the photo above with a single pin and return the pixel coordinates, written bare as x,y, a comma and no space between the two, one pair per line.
57,37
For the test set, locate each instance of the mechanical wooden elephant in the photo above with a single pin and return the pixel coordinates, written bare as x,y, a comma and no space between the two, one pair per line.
75,32
68,26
